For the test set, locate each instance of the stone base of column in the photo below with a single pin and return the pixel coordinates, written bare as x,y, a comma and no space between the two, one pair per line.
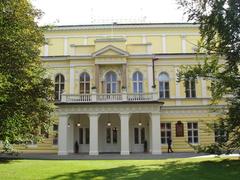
124,153
157,152
93,153
61,153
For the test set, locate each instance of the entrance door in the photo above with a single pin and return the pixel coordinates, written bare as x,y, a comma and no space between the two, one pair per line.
139,136
112,139
83,139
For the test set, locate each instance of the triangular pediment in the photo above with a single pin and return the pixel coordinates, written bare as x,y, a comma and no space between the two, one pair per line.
110,50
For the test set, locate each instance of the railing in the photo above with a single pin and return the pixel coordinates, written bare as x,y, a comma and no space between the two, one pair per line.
77,98
140,97
115,97
109,97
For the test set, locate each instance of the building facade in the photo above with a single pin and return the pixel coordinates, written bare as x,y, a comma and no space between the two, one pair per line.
116,89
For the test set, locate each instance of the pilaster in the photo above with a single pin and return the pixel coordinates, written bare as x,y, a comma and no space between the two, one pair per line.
63,135
93,119
155,133
124,134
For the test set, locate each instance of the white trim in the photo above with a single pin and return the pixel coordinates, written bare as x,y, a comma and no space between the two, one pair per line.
149,48
178,93
46,48
204,88
120,35
184,48
71,85
85,42
124,26
120,52
150,77
144,39
65,46
164,48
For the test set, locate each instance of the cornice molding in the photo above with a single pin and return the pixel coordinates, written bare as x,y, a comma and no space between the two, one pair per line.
124,26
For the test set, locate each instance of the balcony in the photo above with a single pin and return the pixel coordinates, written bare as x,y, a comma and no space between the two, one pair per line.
115,97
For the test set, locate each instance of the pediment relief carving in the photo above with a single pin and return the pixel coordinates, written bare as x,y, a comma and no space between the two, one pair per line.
110,50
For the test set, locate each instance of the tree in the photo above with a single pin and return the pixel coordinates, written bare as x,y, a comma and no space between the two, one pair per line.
219,22
26,94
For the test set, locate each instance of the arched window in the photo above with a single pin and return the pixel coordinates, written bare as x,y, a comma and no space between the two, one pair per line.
84,83
163,85
59,86
111,82
137,82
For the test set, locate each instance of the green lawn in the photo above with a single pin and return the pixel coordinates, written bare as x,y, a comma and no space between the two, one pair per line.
177,169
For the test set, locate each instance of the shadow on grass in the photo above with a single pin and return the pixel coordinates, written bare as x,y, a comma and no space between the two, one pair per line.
221,170
4,161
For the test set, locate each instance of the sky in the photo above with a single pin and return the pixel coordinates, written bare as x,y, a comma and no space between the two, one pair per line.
73,12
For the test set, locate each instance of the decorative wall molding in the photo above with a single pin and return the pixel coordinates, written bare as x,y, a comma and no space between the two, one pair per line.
125,26
107,108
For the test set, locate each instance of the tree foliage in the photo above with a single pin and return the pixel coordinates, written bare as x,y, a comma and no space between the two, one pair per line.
219,25
26,94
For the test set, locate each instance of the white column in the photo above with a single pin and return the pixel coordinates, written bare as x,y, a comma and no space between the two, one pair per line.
65,46
164,46
93,119
184,43
144,39
204,88
71,77
124,118
85,41
178,101
156,134
70,136
46,48
150,78
204,91
62,135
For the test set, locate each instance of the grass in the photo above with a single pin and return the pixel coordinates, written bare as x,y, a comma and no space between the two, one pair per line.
180,169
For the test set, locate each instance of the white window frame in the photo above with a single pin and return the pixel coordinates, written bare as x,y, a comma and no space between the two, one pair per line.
137,81
192,129
139,135
111,82
84,135
164,85
59,83
190,89
111,135
84,82
165,130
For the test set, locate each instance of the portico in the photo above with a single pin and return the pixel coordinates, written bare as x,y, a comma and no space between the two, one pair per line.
110,128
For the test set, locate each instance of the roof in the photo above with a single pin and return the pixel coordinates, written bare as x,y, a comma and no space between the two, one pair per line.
123,25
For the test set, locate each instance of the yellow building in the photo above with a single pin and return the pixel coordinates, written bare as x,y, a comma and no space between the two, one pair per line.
109,96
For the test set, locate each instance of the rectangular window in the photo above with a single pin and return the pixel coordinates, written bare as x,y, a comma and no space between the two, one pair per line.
80,135
136,136
87,135
114,131
190,88
192,132
108,135
165,132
